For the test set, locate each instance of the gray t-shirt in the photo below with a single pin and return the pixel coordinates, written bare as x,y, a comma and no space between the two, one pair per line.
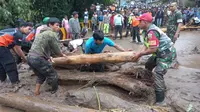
74,25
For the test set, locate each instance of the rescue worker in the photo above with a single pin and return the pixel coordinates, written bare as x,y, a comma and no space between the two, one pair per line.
135,29
156,42
45,44
129,25
7,62
174,22
118,22
96,44
173,27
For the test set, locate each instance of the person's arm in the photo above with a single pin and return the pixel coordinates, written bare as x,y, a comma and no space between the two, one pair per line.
179,21
153,43
71,25
79,27
178,29
148,51
118,47
19,52
63,23
18,38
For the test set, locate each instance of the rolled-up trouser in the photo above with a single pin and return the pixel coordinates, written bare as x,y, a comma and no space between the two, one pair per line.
106,28
44,70
8,66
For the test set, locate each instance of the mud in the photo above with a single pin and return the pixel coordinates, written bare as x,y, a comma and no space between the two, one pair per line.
182,84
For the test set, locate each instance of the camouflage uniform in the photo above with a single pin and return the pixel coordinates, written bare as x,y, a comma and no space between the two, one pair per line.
42,48
173,20
160,60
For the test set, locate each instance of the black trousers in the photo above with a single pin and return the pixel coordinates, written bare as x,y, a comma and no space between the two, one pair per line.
136,33
128,29
8,66
118,28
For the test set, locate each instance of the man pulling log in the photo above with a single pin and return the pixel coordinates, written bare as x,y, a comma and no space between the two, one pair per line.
156,42
96,44
46,43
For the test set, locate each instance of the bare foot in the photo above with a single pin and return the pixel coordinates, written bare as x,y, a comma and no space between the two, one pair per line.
36,93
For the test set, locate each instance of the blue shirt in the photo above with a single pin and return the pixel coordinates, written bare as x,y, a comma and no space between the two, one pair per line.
92,48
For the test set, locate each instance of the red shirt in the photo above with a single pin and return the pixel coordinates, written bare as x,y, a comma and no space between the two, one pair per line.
112,20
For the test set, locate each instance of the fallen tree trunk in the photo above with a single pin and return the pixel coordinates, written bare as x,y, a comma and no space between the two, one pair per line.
95,58
30,104
126,82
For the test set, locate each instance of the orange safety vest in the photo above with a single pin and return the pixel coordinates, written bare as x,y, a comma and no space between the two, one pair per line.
6,40
135,22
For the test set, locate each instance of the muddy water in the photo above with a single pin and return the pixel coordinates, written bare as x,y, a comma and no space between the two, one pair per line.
183,84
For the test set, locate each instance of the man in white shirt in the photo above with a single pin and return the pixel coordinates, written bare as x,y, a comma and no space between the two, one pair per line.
118,22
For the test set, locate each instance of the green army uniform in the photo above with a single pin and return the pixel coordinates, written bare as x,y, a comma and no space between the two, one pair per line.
160,60
173,20
45,43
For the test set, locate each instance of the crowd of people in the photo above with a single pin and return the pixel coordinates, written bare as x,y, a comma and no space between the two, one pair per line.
45,43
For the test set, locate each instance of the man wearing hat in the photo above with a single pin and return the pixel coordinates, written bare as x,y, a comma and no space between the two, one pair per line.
157,43
74,25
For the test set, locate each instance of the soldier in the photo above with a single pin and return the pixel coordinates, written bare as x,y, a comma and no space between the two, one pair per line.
173,27
46,43
156,42
174,22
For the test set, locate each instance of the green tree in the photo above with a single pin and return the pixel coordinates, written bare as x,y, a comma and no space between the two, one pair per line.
11,10
59,8
36,10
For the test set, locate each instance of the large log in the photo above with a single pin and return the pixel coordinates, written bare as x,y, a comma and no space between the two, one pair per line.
30,104
95,58
135,82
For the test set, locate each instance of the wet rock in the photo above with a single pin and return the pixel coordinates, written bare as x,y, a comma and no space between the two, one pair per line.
127,66
143,60
196,50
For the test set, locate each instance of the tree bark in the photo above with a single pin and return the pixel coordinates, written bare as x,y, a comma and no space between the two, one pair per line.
30,104
95,58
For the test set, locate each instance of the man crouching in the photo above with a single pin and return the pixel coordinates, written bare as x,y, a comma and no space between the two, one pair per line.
45,43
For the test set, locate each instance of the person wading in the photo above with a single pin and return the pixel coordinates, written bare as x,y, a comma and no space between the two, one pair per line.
13,40
44,45
156,42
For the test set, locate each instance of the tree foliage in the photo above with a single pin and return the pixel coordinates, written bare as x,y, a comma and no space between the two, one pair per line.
35,10
11,10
